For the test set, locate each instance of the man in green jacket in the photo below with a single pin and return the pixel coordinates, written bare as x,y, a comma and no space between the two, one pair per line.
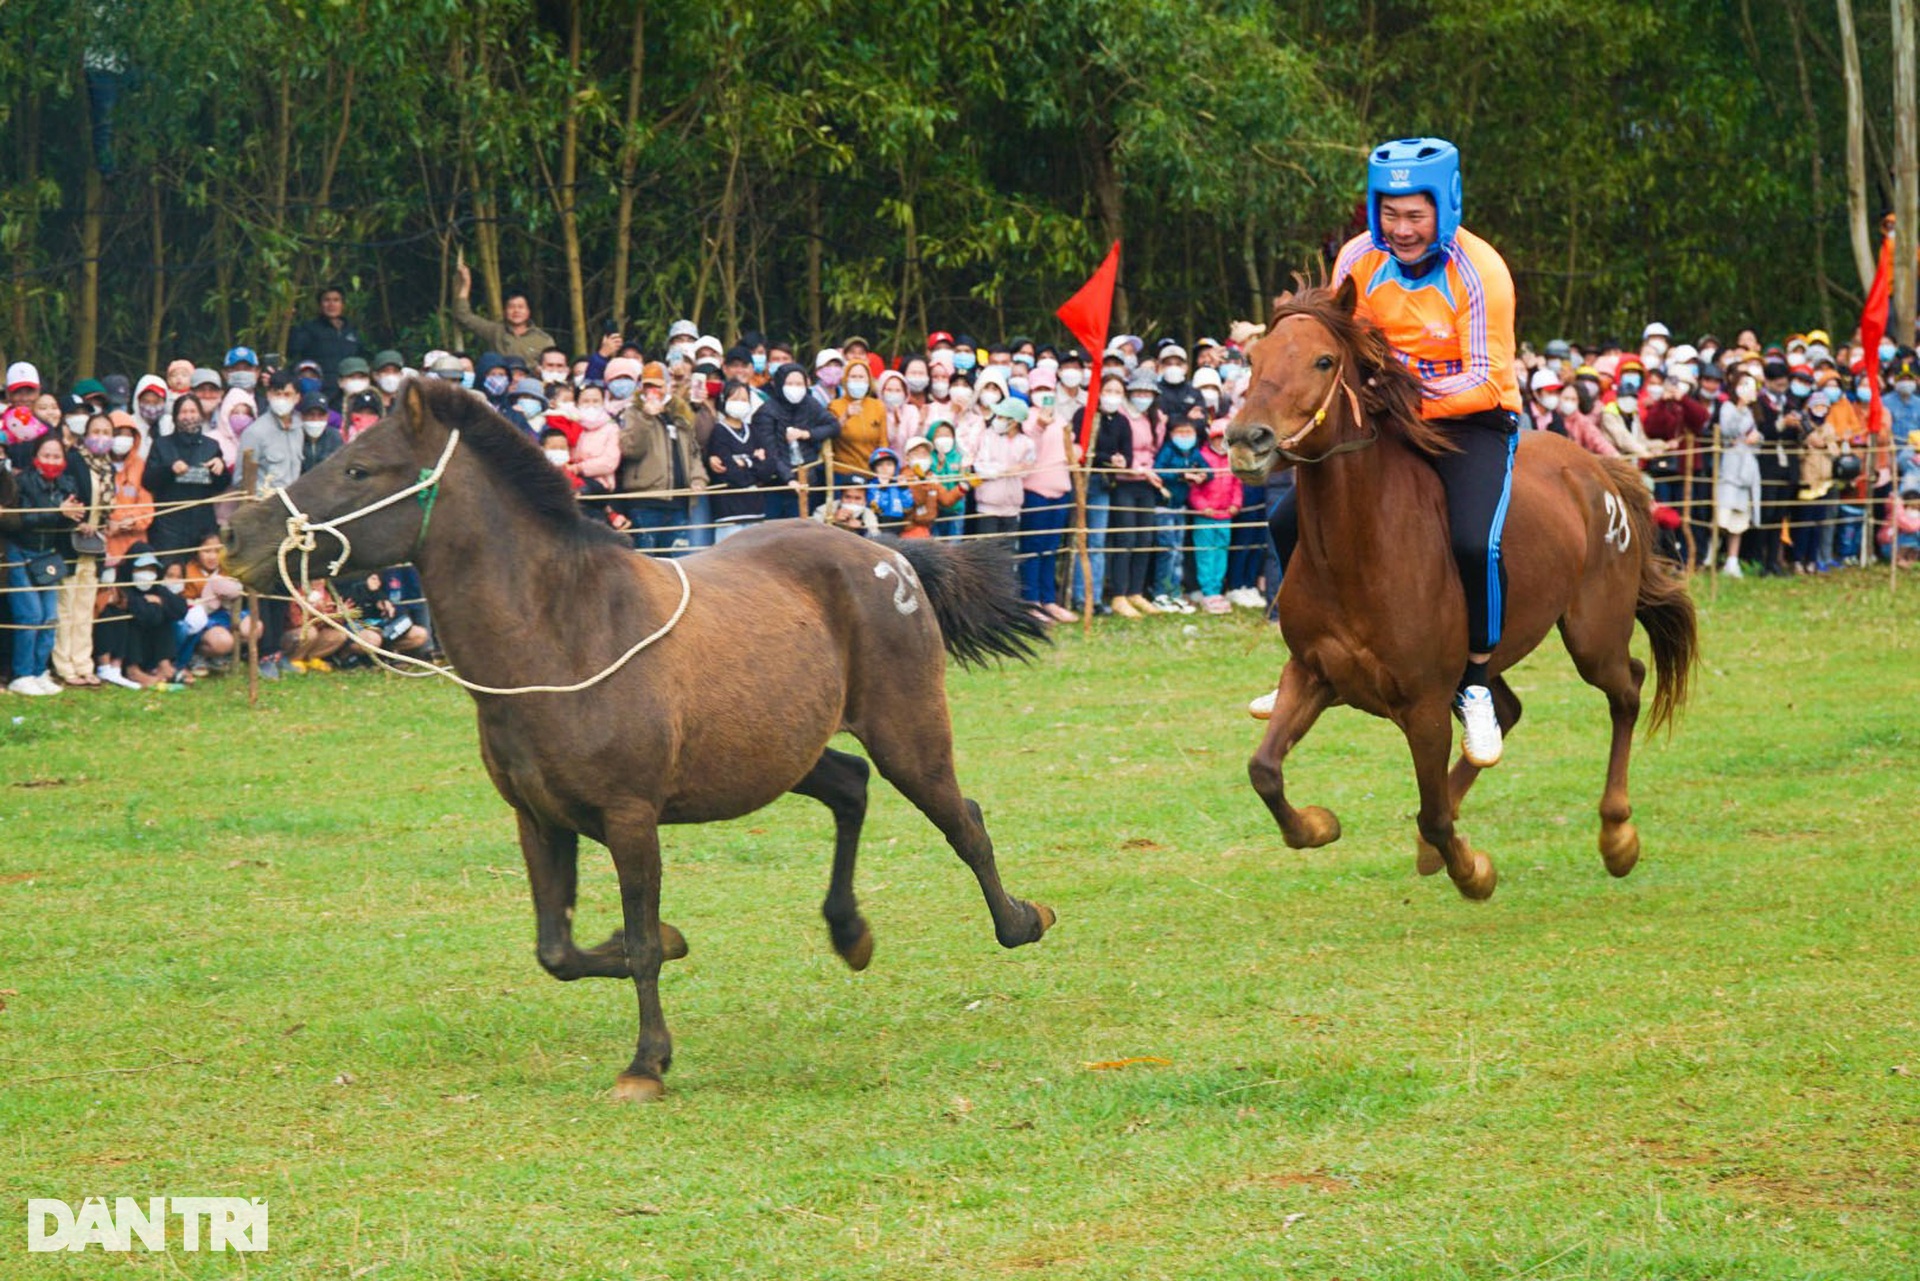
517,336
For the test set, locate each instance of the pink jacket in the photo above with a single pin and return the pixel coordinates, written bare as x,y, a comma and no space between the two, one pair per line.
1001,460
1584,429
1146,444
1220,491
1049,477
597,451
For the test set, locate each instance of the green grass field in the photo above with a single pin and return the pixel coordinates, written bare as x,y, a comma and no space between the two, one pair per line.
289,954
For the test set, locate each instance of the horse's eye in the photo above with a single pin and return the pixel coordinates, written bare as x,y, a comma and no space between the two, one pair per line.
1325,362
357,473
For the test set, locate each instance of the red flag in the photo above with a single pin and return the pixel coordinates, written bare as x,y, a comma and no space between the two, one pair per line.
1086,315
1873,327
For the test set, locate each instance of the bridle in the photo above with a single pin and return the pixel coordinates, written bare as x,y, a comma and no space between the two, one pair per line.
301,530
1285,447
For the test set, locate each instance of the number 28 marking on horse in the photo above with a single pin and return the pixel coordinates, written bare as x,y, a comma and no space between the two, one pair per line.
905,592
1619,528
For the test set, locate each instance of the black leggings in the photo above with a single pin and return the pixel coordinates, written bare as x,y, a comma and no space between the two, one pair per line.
1478,478
1130,539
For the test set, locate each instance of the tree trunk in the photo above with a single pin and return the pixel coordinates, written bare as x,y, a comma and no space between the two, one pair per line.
1250,260
1906,171
157,301
729,243
910,262
281,296
1816,193
86,344
815,233
1106,194
629,161
569,175
1859,228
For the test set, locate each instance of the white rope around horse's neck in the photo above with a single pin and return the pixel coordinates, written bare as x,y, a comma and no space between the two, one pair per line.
300,538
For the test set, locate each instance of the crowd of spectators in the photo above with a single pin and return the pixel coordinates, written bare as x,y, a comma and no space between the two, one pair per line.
112,492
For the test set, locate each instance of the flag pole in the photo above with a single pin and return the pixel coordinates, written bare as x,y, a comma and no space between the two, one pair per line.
1086,315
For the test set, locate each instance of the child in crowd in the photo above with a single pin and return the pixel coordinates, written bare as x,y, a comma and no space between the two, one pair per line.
949,473
1180,465
926,491
890,501
850,512
1214,501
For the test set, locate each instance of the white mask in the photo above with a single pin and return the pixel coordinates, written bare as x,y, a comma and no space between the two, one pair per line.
144,578
1211,395
793,394
283,406
937,388
558,457
962,395
389,383
175,586
1142,403
894,399
739,409
1173,375
1110,402
243,379
1072,378
989,397
122,446
916,382
353,386
1905,386
857,388
314,430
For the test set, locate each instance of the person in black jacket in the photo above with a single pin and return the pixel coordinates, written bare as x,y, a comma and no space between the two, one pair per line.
156,606
49,511
319,438
743,455
328,338
185,467
801,425
1176,394
1112,449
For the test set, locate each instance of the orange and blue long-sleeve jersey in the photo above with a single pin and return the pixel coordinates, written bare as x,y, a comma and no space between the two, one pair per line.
1452,326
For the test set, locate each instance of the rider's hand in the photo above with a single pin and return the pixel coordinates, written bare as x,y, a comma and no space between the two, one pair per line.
463,286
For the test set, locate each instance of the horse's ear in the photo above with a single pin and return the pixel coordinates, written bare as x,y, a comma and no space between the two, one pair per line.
413,407
1346,295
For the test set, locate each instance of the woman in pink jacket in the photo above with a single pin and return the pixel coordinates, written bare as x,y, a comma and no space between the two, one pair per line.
1001,460
596,450
1045,507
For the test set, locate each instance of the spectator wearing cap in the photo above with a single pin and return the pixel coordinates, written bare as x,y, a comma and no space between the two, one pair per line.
319,438
156,609
659,461
622,381
354,376
208,388
18,424
92,393
1176,394
151,399
681,335
889,499
863,427
1001,460
919,478
1903,405
1046,501
514,334
242,370
966,358
328,337
49,509
857,350
527,406
829,370
1543,399
389,371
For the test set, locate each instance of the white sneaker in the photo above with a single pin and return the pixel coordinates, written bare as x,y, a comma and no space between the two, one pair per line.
1172,605
48,685
30,686
114,676
1480,741
1249,598
1261,708
1732,568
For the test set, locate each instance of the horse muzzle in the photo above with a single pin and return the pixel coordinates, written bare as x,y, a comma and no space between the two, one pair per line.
1251,454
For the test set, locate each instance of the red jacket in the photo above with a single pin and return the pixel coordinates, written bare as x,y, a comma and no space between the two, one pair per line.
1220,491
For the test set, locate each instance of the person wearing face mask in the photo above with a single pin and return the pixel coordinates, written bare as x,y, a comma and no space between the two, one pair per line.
804,428
354,377
1902,403
829,370
660,461
951,476
917,376
1579,409
514,334
1137,491
745,458
1176,394
492,379
1180,466
91,469
905,420
275,437
184,472
156,607
319,439
1737,489
863,424
1782,422
1112,448
965,358
1543,400
47,512
389,371
1206,385
1813,534
1001,461
1047,502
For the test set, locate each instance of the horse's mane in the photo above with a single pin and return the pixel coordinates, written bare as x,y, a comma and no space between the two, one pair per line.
514,460
1388,390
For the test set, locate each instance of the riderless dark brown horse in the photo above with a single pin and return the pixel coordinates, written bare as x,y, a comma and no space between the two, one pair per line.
790,633
1371,604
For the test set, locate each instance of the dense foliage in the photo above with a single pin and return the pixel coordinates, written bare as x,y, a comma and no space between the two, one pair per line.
825,166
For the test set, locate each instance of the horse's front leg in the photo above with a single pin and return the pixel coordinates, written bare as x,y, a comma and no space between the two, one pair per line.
552,856
633,837
1301,698
1428,726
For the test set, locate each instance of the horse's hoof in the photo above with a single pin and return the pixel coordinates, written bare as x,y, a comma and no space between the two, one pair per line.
1620,847
1047,918
1314,826
1479,884
858,953
673,944
628,1088
1426,859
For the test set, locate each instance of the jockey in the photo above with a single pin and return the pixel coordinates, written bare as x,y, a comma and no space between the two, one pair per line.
1444,300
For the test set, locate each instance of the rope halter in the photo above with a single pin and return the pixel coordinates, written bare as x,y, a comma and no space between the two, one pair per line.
1285,448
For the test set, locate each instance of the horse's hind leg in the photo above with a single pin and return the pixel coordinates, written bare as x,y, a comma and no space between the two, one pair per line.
552,856
838,780
915,753
633,838
1301,698
1600,653
1429,730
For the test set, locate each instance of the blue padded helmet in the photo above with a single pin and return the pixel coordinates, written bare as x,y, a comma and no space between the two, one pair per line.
1409,165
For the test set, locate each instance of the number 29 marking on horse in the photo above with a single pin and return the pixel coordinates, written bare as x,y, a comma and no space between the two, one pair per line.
1619,534
906,597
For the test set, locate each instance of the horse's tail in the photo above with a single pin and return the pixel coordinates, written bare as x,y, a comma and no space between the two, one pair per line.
975,597
1662,605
